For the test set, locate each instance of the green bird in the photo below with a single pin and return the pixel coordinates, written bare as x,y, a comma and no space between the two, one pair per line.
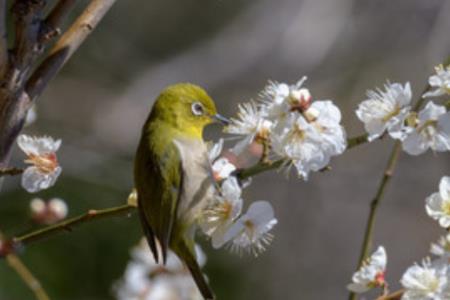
172,174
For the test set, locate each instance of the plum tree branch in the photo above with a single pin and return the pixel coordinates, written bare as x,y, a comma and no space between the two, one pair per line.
397,295
32,282
68,224
51,25
3,40
18,91
67,44
387,175
91,215
10,171
263,166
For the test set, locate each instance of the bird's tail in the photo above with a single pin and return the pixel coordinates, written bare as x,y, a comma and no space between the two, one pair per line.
188,256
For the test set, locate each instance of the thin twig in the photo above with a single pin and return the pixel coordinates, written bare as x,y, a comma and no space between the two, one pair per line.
265,166
387,175
17,265
397,295
3,40
67,44
51,25
10,171
390,168
69,223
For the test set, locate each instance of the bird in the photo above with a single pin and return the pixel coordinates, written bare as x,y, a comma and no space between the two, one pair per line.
172,174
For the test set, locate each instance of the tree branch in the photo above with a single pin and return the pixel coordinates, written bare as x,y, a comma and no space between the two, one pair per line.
27,20
51,25
390,168
69,223
66,46
10,171
265,166
35,286
3,40
397,295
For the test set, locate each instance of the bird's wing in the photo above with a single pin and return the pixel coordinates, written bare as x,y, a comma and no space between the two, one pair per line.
159,185
172,167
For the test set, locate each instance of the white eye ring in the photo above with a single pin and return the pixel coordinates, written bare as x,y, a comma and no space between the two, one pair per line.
197,108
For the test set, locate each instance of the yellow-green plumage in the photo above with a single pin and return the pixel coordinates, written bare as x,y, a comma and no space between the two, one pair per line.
172,174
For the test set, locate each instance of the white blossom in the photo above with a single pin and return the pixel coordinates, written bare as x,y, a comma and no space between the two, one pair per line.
224,209
426,282
386,110
280,98
438,204
442,247
371,273
251,125
440,82
44,169
431,131
145,280
309,140
221,167
251,231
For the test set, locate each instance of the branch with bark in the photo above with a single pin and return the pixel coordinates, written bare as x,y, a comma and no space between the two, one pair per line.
19,89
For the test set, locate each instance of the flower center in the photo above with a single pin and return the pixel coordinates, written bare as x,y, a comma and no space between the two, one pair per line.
446,207
392,114
226,209
298,133
45,163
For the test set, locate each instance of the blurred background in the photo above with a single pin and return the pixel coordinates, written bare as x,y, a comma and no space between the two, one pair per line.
100,100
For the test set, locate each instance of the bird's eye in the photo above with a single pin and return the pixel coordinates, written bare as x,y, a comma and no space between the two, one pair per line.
197,108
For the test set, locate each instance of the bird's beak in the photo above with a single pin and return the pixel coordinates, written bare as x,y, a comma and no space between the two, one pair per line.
221,119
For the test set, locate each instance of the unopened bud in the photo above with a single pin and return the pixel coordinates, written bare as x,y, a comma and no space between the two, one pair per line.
311,114
37,206
58,208
132,198
300,99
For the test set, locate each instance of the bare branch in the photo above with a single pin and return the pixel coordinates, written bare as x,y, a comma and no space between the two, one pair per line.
10,171
264,166
397,295
52,24
27,19
35,286
387,175
3,40
69,223
66,46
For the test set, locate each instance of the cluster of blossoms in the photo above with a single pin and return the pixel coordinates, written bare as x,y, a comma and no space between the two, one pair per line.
390,111
429,280
144,279
48,212
286,120
223,220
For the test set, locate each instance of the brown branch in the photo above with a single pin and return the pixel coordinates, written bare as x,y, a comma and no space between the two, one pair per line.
14,99
68,224
51,25
263,166
387,175
27,19
35,286
390,168
397,295
10,171
66,46
3,40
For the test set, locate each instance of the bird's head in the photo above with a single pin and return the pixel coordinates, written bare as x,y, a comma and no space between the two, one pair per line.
186,107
